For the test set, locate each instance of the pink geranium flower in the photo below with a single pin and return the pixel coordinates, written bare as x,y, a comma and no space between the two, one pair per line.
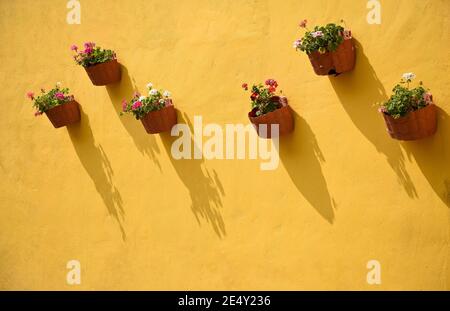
30,95
428,98
347,34
245,86
124,105
74,47
136,105
382,109
89,45
59,95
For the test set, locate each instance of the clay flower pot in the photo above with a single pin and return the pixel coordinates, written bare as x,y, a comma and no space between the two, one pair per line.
160,120
281,116
104,73
416,125
337,62
64,114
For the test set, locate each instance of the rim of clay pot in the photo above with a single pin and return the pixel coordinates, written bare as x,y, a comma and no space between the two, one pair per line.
405,117
60,106
281,103
329,52
99,64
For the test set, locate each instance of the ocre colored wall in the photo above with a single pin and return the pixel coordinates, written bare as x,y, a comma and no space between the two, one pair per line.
109,195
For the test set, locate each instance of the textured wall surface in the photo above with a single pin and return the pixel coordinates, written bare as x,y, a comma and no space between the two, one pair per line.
109,195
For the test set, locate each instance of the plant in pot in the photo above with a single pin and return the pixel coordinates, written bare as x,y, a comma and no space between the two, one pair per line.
156,111
60,107
101,65
269,108
330,48
410,113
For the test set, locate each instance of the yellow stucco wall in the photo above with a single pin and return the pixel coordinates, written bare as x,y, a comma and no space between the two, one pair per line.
109,195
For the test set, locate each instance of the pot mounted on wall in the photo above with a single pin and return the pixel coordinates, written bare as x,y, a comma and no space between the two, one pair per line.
104,73
336,62
160,121
281,116
415,125
64,114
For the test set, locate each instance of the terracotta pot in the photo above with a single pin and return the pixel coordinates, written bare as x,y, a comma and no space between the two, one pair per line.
160,120
416,125
337,62
322,63
104,73
64,114
281,116
344,57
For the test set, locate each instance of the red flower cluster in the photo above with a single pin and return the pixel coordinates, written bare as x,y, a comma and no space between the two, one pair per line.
272,85
259,91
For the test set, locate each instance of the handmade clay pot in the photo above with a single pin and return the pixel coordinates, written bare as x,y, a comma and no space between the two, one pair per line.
64,114
281,116
104,73
337,62
416,125
160,120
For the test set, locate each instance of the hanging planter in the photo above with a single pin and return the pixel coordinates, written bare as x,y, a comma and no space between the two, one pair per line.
156,111
162,120
101,65
268,109
330,49
410,114
60,108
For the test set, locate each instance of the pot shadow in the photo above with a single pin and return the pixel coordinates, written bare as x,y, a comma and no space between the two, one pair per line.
359,91
302,158
145,143
430,158
205,189
97,165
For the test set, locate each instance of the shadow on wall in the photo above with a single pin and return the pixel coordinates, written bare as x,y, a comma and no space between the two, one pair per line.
97,165
429,155
145,143
359,91
205,189
302,158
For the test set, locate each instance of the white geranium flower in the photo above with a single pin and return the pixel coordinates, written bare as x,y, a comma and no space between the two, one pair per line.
153,92
162,101
409,76
166,94
141,98
149,85
58,84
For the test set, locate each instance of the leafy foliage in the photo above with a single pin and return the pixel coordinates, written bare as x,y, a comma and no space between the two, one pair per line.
139,105
92,55
405,100
322,38
262,97
47,100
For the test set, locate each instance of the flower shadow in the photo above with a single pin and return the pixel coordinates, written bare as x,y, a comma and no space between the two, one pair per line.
205,189
302,158
146,144
98,167
359,91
